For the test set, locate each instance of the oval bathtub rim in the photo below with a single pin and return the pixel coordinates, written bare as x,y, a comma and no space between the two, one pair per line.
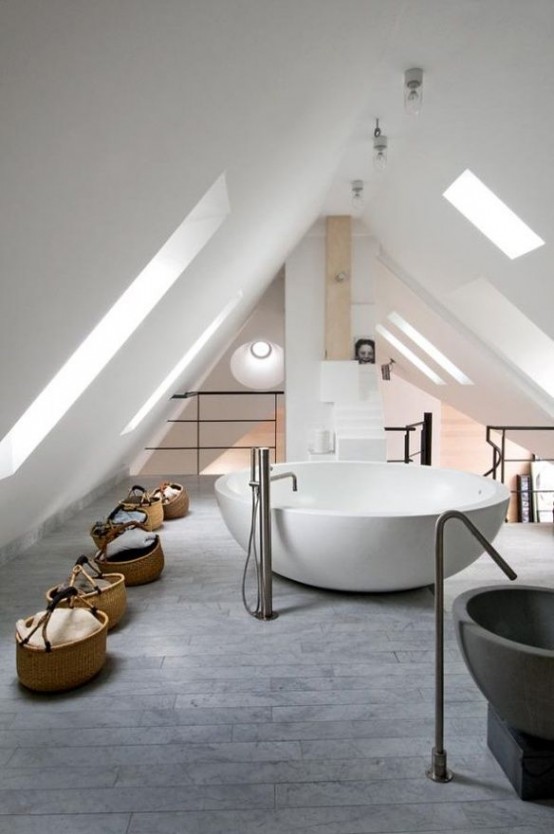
463,617
500,492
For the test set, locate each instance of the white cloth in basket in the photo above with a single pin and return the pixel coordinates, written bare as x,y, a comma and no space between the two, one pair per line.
134,539
171,492
121,516
65,626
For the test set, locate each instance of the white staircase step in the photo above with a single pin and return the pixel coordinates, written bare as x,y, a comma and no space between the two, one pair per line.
370,431
322,456
355,410
358,418
357,448
374,415
360,424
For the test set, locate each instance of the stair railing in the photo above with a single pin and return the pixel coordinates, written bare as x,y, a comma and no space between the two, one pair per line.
426,440
199,421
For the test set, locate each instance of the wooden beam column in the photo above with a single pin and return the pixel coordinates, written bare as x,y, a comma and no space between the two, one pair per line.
338,265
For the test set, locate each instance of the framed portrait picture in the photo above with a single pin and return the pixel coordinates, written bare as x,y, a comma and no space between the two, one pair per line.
364,350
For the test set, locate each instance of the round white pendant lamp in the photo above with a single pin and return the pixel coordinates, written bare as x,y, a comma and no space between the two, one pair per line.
259,364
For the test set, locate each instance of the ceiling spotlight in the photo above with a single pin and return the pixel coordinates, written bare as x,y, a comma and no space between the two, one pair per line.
357,196
260,349
413,91
380,143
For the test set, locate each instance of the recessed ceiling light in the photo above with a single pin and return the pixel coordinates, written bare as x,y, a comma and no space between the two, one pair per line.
410,355
103,342
260,349
429,348
491,216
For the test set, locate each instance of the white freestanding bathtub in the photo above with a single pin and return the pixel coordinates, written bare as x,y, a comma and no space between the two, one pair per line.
357,526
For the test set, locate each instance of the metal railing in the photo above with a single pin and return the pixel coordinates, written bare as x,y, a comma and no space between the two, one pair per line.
410,431
200,420
424,453
500,459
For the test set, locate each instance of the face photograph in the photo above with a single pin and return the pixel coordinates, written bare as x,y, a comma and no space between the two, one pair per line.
364,351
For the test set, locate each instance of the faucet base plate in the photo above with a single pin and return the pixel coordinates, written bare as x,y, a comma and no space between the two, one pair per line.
438,771
266,617
445,776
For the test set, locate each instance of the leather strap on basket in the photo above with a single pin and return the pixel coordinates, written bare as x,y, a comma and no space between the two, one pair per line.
67,593
120,528
111,531
79,570
103,529
137,497
84,560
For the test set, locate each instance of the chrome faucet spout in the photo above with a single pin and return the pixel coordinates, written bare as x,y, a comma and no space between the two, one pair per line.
286,475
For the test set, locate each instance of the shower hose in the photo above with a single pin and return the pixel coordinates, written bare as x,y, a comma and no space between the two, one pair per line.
253,553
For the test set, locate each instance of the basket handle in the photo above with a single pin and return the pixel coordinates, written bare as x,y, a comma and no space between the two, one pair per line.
115,530
141,496
137,489
126,507
66,593
119,529
129,525
84,560
78,569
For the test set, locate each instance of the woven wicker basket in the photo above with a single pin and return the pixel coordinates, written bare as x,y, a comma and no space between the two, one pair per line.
104,532
64,666
138,566
139,498
177,505
112,600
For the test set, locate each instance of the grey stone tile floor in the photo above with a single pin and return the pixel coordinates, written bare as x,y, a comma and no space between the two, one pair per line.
205,720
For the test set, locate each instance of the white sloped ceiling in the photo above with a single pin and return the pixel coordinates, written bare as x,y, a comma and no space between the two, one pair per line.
118,117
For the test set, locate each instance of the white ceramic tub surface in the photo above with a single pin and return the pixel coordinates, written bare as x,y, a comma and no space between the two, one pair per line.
358,526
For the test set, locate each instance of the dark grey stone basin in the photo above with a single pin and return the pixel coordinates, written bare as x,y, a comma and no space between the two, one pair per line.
506,636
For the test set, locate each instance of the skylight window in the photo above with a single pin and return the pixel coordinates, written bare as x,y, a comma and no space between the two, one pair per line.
103,342
508,331
429,349
410,355
491,216
174,374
